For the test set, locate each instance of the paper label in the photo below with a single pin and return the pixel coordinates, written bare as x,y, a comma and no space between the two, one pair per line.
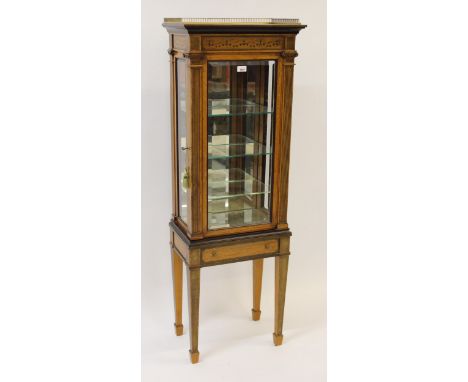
242,68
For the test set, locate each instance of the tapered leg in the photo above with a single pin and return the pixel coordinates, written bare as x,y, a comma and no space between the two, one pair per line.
193,284
281,272
257,288
177,287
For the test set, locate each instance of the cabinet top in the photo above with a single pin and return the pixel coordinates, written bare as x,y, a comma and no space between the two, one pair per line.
232,25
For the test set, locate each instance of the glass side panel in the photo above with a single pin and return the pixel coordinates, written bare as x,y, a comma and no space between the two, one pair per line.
182,138
241,109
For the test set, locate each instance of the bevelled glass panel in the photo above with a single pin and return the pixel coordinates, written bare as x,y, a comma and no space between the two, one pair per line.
241,110
182,138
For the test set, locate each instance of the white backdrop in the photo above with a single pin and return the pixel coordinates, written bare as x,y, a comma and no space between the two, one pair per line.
232,347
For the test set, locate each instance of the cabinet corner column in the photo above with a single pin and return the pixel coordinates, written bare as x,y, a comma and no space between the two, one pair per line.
288,77
196,136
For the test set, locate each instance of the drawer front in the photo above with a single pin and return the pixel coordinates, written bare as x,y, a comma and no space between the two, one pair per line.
234,251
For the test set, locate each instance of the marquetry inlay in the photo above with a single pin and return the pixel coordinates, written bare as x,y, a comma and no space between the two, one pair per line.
238,43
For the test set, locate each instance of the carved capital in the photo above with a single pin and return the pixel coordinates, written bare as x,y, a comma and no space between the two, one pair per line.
289,53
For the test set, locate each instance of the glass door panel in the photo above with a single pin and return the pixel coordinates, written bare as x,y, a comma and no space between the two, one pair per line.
182,171
240,142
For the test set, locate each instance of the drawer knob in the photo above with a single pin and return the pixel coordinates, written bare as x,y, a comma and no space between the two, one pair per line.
213,253
267,245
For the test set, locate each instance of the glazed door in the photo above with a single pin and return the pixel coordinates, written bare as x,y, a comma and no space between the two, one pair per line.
240,128
182,140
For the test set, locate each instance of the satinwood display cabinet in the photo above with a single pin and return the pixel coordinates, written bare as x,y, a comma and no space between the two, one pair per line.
231,100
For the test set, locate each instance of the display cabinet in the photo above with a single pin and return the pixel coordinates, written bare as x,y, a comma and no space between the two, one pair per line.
231,99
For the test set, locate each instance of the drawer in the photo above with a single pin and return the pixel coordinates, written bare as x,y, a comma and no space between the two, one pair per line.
237,251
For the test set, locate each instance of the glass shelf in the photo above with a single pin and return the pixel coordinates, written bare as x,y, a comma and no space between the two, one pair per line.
232,183
237,203
234,145
238,218
235,199
234,106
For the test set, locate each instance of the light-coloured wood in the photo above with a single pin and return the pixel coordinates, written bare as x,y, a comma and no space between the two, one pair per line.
257,266
195,42
281,273
177,288
193,286
284,245
283,178
277,339
232,249
195,122
239,250
290,42
181,247
195,257
181,41
194,356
